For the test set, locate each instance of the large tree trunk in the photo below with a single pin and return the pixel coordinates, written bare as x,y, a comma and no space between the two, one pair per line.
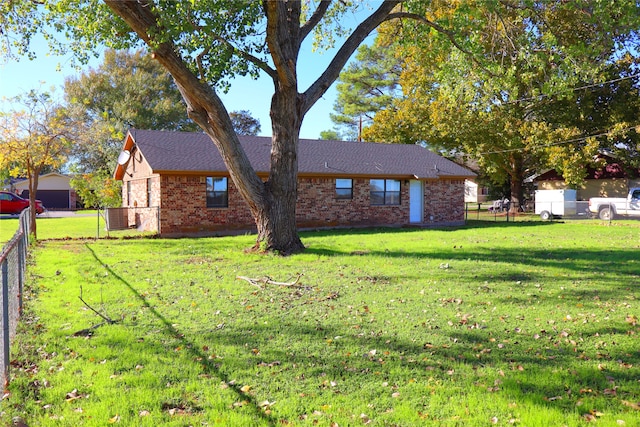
276,220
516,194
516,178
272,203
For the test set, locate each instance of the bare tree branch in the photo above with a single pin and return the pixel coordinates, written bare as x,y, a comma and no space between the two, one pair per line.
106,318
267,281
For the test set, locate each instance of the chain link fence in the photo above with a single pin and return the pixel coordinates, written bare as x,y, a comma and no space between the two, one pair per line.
13,260
550,211
140,219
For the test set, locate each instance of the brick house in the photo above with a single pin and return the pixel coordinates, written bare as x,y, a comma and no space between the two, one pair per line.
176,183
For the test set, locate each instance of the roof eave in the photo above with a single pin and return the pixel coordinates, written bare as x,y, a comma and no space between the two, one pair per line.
314,174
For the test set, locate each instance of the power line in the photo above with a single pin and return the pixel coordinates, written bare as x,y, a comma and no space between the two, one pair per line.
589,86
569,141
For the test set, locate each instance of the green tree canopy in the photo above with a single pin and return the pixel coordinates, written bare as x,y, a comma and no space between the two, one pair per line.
330,135
366,86
492,95
608,111
129,89
244,123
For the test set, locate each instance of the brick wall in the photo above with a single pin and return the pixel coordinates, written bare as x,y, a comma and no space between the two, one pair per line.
143,211
318,206
184,208
183,205
444,202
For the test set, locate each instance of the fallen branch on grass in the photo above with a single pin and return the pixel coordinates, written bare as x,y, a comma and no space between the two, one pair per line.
267,281
106,318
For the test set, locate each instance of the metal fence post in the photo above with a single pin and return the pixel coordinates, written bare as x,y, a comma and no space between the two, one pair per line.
22,268
6,340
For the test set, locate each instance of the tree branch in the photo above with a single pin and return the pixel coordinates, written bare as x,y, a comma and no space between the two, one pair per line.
247,56
204,105
322,84
106,318
441,30
251,58
283,40
314,20
267,281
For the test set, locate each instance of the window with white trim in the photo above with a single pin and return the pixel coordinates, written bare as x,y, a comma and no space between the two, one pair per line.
217,192
344,188
384,191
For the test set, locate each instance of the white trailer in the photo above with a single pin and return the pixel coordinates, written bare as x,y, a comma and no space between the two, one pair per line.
555,203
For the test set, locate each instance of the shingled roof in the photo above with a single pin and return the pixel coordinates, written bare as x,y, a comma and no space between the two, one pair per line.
194,153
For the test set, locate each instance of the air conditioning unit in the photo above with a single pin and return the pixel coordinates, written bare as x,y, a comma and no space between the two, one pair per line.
117,218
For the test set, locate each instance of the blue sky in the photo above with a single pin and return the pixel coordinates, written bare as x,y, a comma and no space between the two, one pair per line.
246,94
48,71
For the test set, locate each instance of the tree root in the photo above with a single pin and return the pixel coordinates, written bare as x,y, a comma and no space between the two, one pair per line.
263,281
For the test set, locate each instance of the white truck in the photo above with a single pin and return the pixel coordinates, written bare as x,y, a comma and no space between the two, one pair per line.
607,208
555,203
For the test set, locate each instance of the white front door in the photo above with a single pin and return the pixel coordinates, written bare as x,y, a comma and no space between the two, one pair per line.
416,201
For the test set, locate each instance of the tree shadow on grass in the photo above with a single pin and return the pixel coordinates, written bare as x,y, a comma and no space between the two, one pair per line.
534,377
465,347
617,268
208,366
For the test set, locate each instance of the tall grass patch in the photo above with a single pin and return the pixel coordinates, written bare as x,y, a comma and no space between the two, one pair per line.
511,324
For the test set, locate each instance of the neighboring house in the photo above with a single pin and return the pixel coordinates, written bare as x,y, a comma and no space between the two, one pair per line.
474,193
176,183
610,180
54,190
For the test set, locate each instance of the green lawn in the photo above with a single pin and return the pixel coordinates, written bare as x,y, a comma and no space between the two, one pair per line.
526,323
83,224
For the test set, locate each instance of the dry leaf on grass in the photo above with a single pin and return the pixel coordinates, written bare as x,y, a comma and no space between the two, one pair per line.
73,395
